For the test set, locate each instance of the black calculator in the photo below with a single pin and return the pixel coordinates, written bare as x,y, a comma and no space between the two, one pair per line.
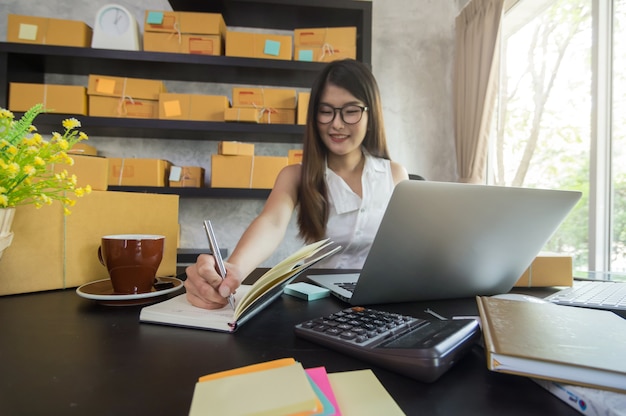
422,349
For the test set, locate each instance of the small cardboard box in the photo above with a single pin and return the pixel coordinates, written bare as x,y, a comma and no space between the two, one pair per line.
265,171
184,23
277,116
186,177
258,45
231,171
132,88
294,156
89,170
255,97
192,107
548,270
243,114
54,251
334,36
83,148
303,107
59,99
122,107
323,53
138,172
191,44
48,31
235,148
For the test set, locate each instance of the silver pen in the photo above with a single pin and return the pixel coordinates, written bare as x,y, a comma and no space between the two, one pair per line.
215,249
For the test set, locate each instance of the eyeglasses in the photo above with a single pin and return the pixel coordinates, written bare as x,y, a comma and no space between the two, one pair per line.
350,114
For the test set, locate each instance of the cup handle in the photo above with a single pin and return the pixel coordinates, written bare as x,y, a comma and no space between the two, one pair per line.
100,256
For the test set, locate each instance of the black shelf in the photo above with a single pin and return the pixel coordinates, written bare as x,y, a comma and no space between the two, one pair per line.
198,192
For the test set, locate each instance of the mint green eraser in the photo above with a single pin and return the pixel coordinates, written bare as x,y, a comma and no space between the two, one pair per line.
306,291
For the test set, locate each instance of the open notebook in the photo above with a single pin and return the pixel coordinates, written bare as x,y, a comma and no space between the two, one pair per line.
441,240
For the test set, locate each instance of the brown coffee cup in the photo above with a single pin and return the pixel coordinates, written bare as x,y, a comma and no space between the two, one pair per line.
132,260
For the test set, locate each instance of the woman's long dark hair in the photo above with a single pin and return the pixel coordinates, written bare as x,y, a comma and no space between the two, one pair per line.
356,78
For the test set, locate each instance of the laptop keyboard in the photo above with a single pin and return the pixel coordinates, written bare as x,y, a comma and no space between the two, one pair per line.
347,286
596,295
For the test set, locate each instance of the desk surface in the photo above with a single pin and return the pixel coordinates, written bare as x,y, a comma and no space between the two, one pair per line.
62,354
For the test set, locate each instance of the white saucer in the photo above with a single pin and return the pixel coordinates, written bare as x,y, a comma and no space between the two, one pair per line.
102,291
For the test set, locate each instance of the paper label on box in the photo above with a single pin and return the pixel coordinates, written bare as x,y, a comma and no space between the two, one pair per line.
105,86
201,46
272,48
305,55
172,108
27,32
176,173
154,18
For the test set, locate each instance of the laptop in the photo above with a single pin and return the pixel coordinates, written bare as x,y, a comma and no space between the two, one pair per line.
443,240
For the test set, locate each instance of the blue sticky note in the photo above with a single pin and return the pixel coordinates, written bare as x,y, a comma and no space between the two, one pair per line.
154,18
305,55
272,48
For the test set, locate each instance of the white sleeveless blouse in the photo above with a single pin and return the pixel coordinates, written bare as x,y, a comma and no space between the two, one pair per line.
353,221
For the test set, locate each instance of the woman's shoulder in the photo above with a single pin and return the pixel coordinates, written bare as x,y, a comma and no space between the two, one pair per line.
398,172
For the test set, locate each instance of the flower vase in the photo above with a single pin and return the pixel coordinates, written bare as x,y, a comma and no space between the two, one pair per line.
6,236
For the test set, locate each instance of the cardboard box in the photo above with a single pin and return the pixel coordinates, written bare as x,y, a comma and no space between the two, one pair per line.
138,172
231,171
283,98
48,31
122,107
54,251
243,114
83,148
192,107
235,148
303,107
548,270
265,171
277,116
334,36
258,45
191,44
133,88
186,177
323,53
89,170
294,156
184,23
59,99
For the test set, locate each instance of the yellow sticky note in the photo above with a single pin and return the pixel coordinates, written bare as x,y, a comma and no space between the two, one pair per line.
105,86
27,32
172,108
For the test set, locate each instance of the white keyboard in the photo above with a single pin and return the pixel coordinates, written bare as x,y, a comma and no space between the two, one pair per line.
593,294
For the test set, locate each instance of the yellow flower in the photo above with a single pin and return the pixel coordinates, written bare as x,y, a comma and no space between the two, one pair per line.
29,170
82,136
39,161
13,168
4,200
71,123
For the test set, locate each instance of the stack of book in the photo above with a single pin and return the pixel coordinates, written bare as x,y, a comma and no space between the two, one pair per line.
285,387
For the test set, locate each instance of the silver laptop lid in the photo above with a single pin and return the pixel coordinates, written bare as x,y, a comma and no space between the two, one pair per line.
440,240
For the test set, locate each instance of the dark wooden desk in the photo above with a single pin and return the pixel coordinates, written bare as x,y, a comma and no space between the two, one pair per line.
63,355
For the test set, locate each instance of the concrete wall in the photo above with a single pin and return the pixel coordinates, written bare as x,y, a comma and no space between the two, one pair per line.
413,52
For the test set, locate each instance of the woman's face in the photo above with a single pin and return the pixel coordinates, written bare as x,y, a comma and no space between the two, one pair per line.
340,137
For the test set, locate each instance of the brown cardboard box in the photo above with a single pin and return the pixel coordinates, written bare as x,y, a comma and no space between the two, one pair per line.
83,148
89,170
294,156
303,107
184,22
53,251
122,107
335,36
48,31
323,53
186,177
191,44
548,270
133,88
192,107
235,148
277,116
138,172
231,171
258,45
60,99
283,98
265,171
243,114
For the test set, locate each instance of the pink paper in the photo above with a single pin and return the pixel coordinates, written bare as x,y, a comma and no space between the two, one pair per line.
319,377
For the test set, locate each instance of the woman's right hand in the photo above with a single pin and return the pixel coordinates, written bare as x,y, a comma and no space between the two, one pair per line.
205,287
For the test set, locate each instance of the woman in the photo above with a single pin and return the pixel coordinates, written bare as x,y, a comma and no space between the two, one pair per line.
341,188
